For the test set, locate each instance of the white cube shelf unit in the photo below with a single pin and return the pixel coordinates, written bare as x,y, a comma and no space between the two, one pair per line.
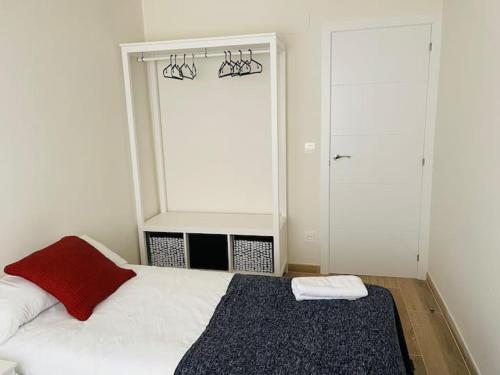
209,154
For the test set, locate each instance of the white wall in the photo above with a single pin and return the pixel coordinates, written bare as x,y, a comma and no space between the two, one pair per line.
64,160
299,22
217,140
465,234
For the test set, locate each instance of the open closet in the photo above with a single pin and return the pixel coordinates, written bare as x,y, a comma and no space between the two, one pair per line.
207,132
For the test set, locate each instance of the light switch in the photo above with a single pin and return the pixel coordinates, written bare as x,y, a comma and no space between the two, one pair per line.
309,147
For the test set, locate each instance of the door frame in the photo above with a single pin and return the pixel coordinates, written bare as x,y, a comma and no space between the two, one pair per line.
430,124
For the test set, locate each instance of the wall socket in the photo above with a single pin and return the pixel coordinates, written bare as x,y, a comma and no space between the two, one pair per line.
309,147
309,236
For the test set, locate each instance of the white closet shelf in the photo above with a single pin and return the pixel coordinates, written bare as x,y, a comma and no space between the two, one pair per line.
212,223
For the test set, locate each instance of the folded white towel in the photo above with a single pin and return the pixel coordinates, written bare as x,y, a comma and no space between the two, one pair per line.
328,287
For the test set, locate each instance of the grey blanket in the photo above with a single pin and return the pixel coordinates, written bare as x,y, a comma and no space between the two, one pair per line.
259,328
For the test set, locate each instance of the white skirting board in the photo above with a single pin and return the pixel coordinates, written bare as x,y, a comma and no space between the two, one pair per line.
452,324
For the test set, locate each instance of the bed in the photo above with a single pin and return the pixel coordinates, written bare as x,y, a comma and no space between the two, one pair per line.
176,321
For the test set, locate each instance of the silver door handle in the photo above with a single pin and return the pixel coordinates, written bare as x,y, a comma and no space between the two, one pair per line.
336,157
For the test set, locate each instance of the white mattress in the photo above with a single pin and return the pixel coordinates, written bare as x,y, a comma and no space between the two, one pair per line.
143,328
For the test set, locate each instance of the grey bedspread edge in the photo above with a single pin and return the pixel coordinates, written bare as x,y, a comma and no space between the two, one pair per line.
259,328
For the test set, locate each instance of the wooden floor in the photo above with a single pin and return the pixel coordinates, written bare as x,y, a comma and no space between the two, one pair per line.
429,339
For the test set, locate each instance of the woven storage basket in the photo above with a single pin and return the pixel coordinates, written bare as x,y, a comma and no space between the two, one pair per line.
253,254
166,249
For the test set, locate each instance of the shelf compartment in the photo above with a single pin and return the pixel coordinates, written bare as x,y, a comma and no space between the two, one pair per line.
165,249
253,254
208,251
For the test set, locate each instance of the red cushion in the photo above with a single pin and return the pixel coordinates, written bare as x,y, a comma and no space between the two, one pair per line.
74,272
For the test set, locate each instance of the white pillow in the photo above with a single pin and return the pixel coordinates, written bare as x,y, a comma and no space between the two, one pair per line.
111,255
20,302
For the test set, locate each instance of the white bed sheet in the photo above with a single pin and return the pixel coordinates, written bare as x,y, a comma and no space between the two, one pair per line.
145,327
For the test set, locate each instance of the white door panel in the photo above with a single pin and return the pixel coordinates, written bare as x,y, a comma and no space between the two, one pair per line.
374,250
392,54
378,159
376,207
385,108
378,113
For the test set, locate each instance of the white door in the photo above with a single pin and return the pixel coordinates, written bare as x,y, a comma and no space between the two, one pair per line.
379,83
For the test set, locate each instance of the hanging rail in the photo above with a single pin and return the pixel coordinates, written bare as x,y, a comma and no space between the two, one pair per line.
214,54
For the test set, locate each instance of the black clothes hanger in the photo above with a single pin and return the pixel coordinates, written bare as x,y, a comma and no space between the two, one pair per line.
176,70
186,70
193,67
256,67
167,72
245,67
233,64
226,69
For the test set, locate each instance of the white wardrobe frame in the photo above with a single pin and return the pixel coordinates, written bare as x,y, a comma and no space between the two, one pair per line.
274,225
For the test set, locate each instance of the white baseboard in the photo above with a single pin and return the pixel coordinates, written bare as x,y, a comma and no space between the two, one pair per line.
452,324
